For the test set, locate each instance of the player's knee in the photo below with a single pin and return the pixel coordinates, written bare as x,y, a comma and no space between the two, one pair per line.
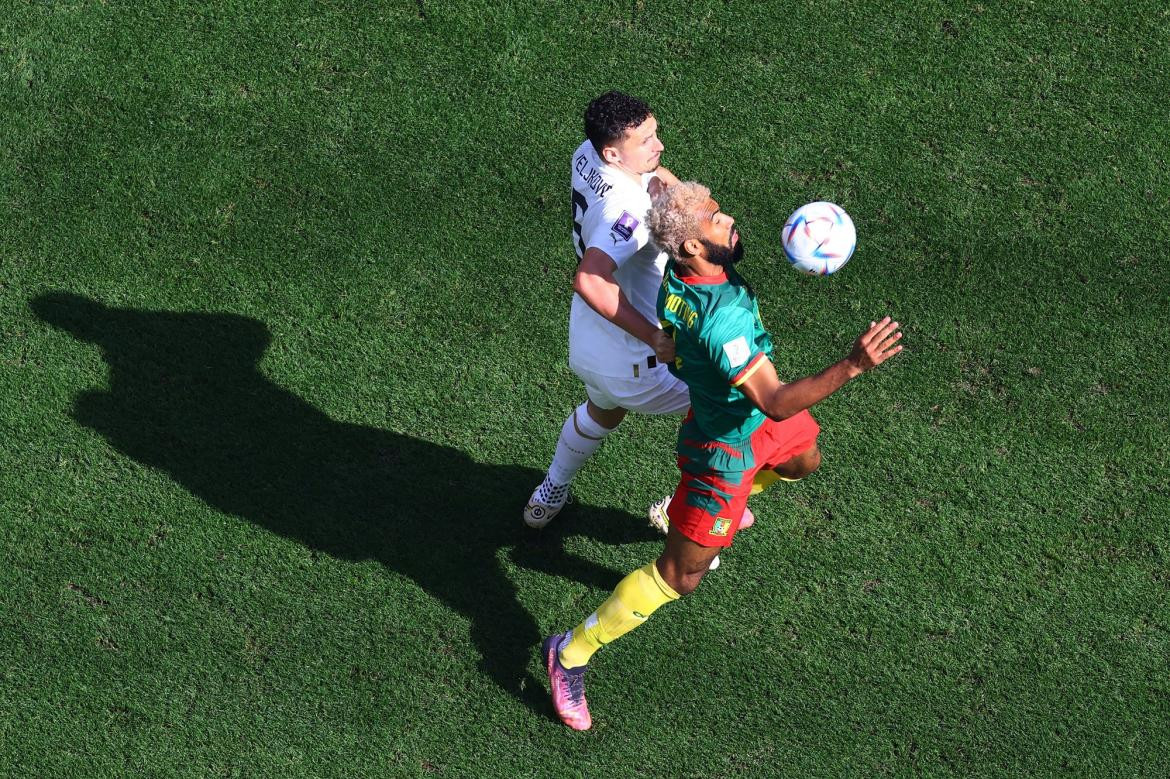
814,461
689,581
803,464
606,417
681,575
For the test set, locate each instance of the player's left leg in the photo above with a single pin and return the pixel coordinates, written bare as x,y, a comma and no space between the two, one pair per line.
676,573
659,517
581,435
684,562
635,598
793,469
694,539
799,466
650,391
672,396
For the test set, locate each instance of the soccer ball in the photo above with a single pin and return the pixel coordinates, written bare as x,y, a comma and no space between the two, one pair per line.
819,238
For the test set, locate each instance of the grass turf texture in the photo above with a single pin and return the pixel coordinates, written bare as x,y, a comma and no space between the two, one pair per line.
283,302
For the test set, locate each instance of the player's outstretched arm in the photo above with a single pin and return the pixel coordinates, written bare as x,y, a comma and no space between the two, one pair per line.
596,285
780,401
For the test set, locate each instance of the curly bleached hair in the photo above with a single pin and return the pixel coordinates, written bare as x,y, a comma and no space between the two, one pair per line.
674,215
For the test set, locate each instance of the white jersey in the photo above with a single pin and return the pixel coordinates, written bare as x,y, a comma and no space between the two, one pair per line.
609,213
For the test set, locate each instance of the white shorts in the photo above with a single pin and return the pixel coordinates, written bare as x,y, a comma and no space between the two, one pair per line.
655,391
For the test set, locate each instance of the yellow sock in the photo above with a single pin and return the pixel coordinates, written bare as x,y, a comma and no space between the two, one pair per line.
765,479
634,599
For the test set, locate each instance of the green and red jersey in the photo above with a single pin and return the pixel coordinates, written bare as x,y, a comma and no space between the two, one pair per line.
719,343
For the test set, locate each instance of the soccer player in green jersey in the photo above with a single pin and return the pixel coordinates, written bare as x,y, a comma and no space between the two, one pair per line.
746,429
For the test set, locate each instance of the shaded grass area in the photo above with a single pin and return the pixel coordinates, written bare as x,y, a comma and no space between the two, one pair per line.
283,301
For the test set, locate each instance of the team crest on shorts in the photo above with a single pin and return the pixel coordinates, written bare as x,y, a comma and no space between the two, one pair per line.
720,526
624,226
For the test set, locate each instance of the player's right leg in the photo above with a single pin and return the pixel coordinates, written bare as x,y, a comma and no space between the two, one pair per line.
801,436
581,435
694,539
659,516
567,655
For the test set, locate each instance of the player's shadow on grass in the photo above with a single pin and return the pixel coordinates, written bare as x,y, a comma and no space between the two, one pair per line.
186,397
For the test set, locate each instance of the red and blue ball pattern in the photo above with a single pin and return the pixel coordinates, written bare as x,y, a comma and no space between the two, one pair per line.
819,238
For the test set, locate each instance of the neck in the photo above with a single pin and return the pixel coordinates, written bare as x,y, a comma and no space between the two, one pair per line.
627,172
697,266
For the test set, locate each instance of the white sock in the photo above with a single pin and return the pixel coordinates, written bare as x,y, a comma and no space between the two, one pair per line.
580,438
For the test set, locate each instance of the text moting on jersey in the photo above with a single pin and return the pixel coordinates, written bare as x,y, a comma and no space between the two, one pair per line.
679,307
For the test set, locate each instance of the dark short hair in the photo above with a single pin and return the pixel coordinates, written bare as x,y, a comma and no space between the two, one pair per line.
609,116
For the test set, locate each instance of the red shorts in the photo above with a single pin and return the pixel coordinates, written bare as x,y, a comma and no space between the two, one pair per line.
707,507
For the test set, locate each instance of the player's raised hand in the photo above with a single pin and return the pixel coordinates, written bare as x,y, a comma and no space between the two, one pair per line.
876,345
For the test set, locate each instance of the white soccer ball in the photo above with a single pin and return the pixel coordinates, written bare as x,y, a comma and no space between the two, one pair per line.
819,238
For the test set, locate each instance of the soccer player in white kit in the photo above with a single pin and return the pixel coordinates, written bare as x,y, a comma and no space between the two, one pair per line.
616,346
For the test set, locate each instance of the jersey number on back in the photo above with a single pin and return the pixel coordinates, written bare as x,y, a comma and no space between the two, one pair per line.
579,201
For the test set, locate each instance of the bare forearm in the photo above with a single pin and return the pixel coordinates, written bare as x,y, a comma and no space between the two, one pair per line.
780,401
790,399
609,301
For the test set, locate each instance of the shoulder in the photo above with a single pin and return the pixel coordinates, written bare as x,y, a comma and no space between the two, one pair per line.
731,300
621,214
584,153
624,195
722,321
590,177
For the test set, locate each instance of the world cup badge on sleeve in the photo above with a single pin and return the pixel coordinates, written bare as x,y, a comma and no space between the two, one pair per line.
624,226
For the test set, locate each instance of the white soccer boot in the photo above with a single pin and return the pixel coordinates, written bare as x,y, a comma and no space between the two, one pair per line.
546,502
658,519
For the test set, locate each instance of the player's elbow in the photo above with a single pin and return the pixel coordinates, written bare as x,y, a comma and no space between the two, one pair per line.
581,284
780,414
600,296
772,411
780,407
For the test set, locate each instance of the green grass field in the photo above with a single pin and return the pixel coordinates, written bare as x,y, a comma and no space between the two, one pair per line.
284,292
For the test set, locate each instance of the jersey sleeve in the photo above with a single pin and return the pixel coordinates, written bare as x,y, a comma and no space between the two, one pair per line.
618,232
730,343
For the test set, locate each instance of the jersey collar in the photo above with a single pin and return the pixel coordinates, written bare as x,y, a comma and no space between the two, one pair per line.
720,278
